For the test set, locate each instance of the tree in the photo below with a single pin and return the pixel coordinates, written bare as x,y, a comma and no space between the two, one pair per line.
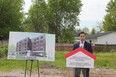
68,35
93,31
78,30
86,30
10,16
109,23
56,17
36,20
99,27
65,15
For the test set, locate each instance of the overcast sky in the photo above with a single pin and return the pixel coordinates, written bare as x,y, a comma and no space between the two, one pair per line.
93,11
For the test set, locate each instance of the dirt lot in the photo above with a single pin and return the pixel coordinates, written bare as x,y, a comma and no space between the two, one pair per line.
53,72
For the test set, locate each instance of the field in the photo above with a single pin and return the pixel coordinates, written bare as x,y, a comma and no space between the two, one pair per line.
104,60
105,66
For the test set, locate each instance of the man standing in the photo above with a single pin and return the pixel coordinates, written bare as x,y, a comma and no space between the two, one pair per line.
84,44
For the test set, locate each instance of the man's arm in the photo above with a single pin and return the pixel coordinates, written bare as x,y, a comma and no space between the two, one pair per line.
76,45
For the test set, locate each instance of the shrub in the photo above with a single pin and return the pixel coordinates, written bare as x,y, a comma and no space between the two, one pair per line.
3,51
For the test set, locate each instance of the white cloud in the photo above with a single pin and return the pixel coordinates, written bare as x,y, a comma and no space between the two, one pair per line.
93,9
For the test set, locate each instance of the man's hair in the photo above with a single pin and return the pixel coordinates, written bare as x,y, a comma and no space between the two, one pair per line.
82,33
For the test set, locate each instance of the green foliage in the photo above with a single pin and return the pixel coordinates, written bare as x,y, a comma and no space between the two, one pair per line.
78,30
93,31
86,30
36,20
55,17
10,16
68,36
109,23
3,51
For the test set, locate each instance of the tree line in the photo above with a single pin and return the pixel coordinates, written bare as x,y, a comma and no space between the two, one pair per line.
58,17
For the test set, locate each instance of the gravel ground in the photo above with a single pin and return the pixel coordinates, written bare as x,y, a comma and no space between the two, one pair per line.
53,72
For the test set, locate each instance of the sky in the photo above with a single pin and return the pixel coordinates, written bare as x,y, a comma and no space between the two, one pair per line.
27,5
92,12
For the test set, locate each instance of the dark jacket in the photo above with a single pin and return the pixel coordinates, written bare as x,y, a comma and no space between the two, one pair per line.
87,46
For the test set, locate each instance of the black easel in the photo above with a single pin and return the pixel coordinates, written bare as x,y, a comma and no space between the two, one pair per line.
31,68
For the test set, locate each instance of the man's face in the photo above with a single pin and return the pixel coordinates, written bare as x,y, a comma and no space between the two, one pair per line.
82,37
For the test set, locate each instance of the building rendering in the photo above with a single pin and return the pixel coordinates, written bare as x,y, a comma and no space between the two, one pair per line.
35,45
38,44
24,45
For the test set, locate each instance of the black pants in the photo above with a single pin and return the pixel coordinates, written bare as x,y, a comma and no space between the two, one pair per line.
77,72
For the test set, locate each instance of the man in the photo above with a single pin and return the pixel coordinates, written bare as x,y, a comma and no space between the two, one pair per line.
84,44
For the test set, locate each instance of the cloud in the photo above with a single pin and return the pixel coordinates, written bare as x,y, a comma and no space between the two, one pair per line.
93,9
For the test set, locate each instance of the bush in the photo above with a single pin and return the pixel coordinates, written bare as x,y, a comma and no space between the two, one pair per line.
3,51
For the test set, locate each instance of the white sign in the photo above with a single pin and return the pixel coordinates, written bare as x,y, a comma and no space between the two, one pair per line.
31,46
80,59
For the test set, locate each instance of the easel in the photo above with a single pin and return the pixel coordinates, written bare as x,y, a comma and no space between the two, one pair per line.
31,68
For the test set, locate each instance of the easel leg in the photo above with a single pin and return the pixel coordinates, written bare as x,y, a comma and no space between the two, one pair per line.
38,67
31,67
25,68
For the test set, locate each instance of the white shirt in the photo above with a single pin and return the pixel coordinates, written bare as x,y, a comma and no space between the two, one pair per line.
82,44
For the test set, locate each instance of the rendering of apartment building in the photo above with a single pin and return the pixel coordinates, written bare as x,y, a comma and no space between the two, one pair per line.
34,45
24,45
38,44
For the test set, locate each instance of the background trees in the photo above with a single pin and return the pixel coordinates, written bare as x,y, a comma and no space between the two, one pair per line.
10,16
93,31
109,23
54,16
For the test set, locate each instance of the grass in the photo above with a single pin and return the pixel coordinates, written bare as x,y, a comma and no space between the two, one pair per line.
104,60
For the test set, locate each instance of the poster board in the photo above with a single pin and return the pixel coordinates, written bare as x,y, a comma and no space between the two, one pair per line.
31,46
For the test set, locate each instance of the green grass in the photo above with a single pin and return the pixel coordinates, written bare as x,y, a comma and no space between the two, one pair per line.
104,60
7,65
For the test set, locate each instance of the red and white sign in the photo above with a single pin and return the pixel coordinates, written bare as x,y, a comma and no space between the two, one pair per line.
80,58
